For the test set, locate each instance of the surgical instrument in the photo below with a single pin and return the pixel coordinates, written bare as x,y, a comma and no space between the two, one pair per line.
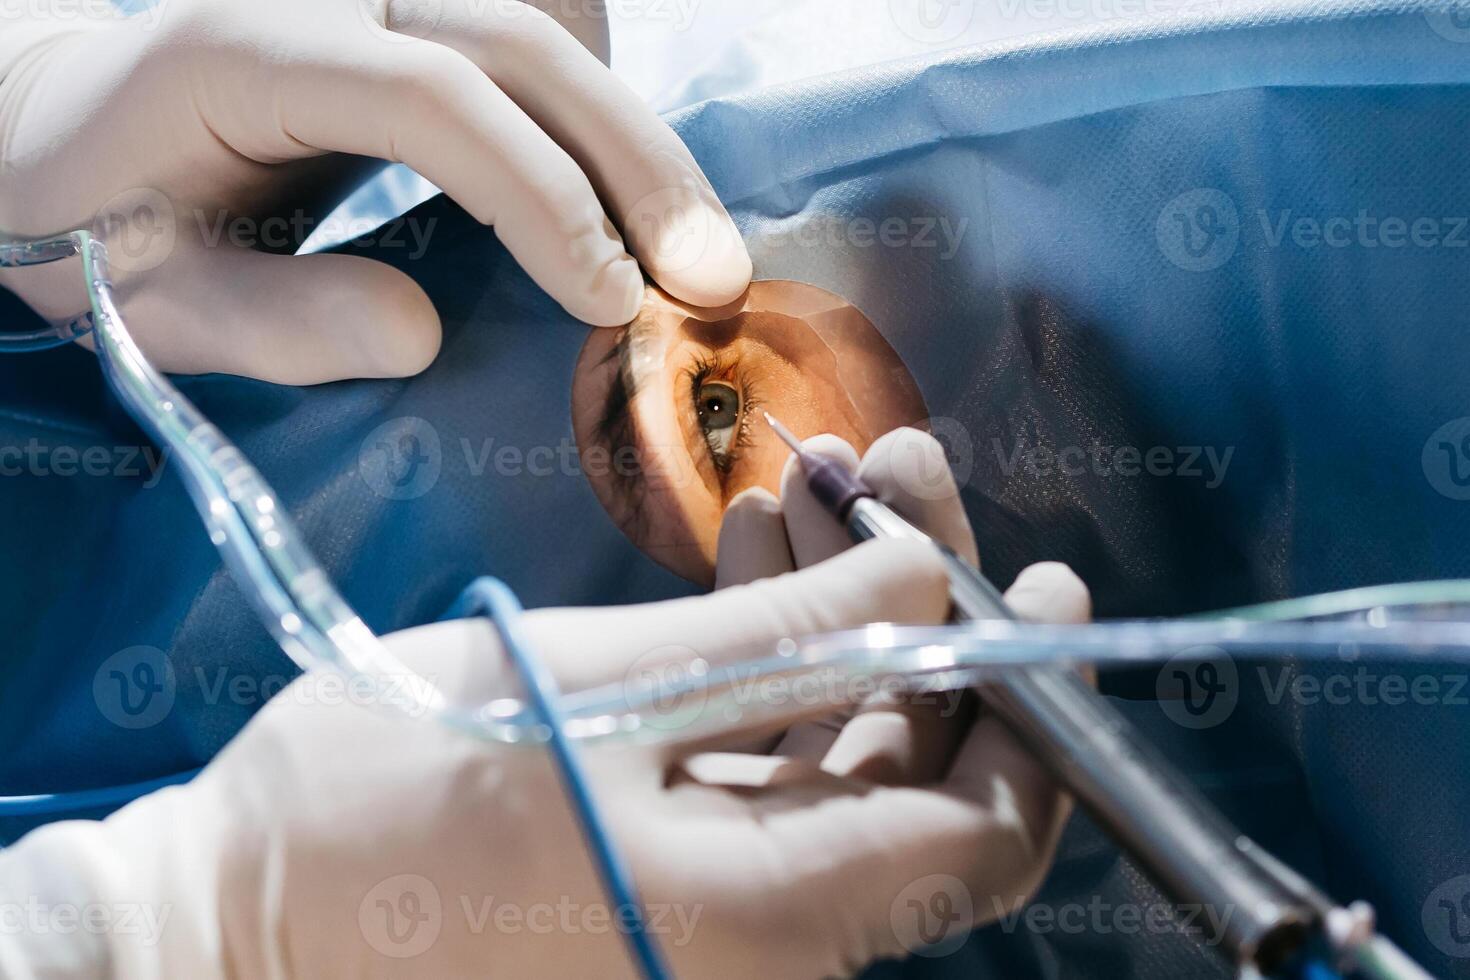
1123,781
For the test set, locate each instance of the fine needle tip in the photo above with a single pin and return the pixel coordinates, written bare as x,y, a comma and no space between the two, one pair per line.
783,432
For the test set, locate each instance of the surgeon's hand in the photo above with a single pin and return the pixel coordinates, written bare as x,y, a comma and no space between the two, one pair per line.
891,740
333,840
192,131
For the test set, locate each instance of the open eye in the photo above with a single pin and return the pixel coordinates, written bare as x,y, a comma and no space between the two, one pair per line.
718,407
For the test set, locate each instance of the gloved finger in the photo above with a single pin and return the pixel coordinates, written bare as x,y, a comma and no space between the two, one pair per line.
296,320
912,743
752,546
976,846
752,541
815,535
432,108
909,741
584,648
907,469
670,216
887,741
585,21
1050,592
992,767
845,861
906,742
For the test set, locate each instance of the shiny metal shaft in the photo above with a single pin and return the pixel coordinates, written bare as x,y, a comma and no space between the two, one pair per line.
1148,808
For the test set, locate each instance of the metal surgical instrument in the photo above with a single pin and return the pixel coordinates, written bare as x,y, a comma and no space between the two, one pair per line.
1124,782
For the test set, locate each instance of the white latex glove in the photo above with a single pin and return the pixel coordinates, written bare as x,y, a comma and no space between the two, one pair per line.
164,128
909,741
330,840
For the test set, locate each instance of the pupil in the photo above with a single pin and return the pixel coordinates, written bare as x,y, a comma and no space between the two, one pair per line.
718,405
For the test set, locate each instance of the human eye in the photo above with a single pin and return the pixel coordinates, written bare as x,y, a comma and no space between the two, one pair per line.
722,404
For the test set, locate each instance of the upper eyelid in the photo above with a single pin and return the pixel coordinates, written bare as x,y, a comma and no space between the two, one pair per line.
710,364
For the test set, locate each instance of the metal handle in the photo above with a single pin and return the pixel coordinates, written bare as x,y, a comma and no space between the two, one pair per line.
1150,810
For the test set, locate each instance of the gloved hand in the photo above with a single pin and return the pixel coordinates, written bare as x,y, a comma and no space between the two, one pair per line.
329,840
910,741
191,130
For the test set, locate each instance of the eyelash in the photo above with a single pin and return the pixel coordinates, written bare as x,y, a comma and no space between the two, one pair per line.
709,367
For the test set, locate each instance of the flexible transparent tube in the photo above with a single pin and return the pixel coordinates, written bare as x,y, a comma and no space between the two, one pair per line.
885,659
14,255
291,593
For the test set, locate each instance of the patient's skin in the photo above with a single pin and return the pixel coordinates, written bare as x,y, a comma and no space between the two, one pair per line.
667,411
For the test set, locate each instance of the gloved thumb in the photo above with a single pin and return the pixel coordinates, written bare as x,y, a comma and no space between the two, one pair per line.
296,320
